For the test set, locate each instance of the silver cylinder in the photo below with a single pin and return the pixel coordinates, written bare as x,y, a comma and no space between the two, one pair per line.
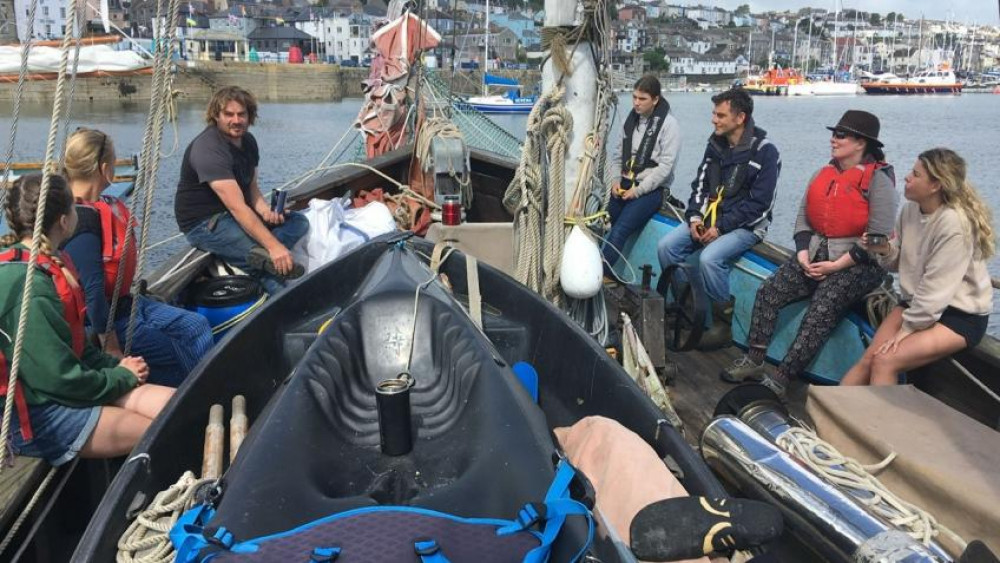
827,519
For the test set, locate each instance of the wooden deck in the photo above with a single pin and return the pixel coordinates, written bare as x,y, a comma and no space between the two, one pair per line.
696,388
17,483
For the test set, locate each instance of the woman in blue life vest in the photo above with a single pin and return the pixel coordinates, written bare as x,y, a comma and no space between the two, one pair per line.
650,145
171,339
70,399
852,195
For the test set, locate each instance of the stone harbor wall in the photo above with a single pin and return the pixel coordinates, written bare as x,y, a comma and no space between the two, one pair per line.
197,80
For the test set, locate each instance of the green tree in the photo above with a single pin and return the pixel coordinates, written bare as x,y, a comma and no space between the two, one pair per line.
656,60
875,20
743,10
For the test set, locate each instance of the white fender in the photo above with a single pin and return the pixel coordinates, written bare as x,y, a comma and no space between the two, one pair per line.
582,269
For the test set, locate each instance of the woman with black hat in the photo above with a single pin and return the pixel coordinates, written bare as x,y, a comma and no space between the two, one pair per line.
854,194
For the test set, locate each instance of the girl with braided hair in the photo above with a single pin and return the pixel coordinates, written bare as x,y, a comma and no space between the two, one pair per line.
944,239
71,399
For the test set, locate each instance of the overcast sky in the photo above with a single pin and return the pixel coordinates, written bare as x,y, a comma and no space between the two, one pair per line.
978,11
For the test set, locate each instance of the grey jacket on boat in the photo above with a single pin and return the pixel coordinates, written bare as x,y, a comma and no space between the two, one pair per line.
665,153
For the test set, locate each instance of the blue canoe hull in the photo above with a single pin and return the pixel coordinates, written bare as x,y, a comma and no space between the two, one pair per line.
846,343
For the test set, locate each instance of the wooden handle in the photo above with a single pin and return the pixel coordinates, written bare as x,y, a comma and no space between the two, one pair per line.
237,426
215,432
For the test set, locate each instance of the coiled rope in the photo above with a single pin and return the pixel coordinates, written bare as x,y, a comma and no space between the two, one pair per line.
147,539
847,472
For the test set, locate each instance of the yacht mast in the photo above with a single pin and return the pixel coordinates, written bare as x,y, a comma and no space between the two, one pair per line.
486,48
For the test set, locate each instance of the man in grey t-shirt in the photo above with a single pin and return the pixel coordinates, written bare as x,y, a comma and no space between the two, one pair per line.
219,207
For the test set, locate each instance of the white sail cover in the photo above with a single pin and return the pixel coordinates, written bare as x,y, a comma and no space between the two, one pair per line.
93,58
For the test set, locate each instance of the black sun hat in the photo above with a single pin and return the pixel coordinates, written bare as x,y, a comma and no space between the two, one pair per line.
859,123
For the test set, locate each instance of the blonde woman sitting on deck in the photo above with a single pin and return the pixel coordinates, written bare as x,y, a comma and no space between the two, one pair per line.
943,241
71,399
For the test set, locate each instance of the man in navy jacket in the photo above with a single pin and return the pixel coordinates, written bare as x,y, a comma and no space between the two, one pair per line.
730,205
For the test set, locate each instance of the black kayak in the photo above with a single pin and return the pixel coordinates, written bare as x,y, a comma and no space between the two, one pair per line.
323,452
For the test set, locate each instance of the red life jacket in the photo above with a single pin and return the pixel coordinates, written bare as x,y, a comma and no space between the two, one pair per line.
74,311
115,224
837,202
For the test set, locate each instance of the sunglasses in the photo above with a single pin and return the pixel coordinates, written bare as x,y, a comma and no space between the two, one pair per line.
841,135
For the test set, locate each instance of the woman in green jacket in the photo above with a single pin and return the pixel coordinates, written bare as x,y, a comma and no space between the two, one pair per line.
71,399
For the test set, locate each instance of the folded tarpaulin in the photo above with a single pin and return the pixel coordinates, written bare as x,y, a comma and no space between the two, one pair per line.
946,463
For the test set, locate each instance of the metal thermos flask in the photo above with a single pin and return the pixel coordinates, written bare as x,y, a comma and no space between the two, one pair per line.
392,400
278,201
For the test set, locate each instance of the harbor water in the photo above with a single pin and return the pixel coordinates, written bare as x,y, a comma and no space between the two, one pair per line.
295,137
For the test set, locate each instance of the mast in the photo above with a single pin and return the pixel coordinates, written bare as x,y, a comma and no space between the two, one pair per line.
810,41
486,48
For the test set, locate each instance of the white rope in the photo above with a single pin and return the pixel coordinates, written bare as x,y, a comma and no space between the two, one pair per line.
36,237
147,539
847,472
161,97
22,78
37,496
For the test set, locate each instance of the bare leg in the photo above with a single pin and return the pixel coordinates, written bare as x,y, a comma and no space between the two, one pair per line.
861,374
918,349
125,421
117,432
146,400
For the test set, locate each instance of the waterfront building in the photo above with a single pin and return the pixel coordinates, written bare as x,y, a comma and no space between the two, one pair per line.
50,19
8,23
346,38
273,43
215,45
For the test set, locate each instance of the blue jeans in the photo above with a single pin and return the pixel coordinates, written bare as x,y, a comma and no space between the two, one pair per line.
628,217
229,241
715,260
171,340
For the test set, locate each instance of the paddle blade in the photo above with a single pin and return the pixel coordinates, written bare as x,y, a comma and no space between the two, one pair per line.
689,527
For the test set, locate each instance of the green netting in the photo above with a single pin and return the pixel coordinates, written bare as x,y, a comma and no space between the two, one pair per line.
478,129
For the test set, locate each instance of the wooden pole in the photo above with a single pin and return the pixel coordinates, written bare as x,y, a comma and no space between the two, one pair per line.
215,432
237,426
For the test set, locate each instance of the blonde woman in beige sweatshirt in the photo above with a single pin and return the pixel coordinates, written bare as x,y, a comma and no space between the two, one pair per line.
942,243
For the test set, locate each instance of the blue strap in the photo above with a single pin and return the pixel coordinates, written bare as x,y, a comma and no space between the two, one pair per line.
324,554
557,507
351,228
188,536
429,551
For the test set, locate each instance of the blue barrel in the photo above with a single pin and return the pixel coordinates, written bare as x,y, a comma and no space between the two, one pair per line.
226,300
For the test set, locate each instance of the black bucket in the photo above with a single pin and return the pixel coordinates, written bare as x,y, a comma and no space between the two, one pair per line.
225,300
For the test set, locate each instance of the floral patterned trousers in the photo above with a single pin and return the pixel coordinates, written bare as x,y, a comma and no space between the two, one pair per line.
830,301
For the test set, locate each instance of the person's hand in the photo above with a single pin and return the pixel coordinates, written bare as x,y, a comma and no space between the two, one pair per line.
710,235
137,366
803,256
629,194
282,259
696,229
823,269
273,217
892,345
616,190
877,249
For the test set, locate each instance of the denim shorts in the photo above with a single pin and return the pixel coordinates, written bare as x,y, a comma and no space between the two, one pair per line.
59,432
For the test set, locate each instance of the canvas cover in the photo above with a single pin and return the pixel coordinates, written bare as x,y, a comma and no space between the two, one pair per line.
947,463
626,473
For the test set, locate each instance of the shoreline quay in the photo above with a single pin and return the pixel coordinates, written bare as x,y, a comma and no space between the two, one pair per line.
197,80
